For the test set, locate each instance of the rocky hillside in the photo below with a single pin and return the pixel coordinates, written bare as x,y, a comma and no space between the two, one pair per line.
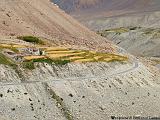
51,67
144,19
140,41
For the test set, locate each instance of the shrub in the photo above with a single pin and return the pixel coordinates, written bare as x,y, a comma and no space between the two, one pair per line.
61,62
43,60
4,60
50,61
31,39
14,50
29,65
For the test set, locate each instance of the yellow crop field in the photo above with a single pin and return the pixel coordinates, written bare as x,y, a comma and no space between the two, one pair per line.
61,53
11,46
75,57
84,60
98,57
33,57
55,49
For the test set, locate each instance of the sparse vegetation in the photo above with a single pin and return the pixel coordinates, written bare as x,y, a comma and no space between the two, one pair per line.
154,61
50,61
43,60
31,39
14,49
154,32
60,104
118,31
148,31
10,47
134,28
61,62
16,68
28,65
4,60
63,107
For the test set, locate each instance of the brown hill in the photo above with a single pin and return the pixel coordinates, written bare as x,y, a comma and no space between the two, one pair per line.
42,18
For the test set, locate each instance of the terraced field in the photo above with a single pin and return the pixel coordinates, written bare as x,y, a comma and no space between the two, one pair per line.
62,55
80,55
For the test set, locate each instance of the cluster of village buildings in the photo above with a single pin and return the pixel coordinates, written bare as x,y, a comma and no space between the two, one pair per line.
19,56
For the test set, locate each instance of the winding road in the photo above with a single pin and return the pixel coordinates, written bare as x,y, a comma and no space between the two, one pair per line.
135,65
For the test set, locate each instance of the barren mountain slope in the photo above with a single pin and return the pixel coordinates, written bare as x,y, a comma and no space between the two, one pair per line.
140,41
143,19
91,9
42,18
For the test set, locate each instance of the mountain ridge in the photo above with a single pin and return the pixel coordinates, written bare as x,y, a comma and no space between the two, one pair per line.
95,6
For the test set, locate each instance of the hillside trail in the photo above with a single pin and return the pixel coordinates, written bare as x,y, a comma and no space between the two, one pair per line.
134,67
